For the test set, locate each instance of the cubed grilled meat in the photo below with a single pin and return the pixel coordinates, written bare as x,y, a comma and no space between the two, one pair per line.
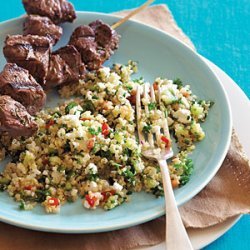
42,26
83,38
59,11
105,36
15,119
30,52
65,67
95,42
22,87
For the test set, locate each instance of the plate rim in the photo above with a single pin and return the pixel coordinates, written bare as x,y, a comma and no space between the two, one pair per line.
157,213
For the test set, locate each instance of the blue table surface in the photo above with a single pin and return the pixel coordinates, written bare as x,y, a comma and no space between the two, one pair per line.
220,30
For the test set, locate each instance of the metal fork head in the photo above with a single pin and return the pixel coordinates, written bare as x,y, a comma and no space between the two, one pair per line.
155,139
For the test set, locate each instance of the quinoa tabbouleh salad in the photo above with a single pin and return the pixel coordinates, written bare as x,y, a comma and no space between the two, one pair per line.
88,148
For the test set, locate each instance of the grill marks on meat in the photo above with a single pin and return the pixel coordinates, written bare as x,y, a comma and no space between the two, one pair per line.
95,42
30,52
65,67
15,119
58,11
42,26
22,87
83,38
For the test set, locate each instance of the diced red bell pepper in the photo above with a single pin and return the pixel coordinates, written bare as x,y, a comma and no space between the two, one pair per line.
166,141
107,194
91,143
29,187
105,129
54,201
91,201
49,123
155,86
132,97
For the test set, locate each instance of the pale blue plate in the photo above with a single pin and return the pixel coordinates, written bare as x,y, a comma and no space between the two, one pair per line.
158,54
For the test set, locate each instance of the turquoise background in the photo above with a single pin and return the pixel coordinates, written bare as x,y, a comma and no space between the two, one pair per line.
220,30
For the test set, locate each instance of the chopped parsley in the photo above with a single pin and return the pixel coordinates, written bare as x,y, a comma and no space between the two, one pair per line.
70,106
88,106
146,129
178,82
151,106
139,80
92,131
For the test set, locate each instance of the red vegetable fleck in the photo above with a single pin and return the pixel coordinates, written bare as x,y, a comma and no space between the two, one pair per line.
91,143
85,119
105,129
91,201
155,86
107,194
166,141
54,201
29,187
132,97
49,124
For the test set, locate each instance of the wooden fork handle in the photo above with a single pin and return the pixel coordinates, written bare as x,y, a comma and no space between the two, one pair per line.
176,235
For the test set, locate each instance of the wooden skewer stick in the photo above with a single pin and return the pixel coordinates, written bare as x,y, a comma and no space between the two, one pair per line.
133,13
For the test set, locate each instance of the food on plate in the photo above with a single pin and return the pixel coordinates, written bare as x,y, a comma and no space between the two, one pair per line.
65,66
96,43
88,148
22,87
30,52
42,26
59,11
15,119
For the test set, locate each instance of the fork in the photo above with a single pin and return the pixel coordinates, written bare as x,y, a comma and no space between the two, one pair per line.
176,235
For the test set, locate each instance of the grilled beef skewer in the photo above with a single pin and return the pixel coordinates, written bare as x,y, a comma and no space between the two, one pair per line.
15,119
59,11
42,26
22,87
65,67
95,42
30,52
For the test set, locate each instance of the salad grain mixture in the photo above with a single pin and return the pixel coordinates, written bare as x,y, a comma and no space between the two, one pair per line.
87,147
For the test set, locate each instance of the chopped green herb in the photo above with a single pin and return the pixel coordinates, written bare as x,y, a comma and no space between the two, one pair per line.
41,195
70,106
151,106
129,88
92,131
128,152
95,97
139,80
22,205
146,129
67,146
88,106
187,171
104,154
178,82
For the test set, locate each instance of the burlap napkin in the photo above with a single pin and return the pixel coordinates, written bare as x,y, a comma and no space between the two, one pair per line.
227,195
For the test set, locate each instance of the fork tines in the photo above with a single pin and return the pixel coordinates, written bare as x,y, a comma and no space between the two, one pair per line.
152,134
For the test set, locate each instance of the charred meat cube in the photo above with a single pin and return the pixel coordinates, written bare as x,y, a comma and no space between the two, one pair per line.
95,42
105,36
30,52
42,26
22,87
15,119
65,67
59,11
83,38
